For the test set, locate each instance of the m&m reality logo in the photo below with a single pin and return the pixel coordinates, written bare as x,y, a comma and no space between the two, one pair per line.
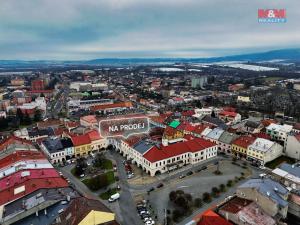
271,15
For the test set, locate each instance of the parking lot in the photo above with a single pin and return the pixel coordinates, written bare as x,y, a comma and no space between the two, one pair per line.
195,184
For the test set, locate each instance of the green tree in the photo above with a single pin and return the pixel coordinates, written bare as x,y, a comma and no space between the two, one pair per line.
198,202
172,196
27,120
99,161
37,115
229,183
20,115
222,187
206,197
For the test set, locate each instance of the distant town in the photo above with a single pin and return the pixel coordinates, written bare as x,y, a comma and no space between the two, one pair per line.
178,143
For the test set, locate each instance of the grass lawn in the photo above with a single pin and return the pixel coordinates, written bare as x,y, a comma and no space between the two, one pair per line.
107,165
276,162
86,181
110,177
73,172
107,194
94,184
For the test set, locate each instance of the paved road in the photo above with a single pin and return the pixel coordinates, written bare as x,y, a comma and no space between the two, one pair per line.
126,202
60,102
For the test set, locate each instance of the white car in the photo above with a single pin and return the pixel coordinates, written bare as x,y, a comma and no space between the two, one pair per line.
82,175
129,176
149,222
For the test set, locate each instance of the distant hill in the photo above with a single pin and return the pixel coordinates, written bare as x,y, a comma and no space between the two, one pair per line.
283,54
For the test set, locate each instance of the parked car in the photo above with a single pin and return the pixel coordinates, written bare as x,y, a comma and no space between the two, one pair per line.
189,173
129,176
114,197
203,167
150,190
143,212
160,185
181,176
82,175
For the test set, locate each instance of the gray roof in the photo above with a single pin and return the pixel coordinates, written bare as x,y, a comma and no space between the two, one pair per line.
227,137
216,121
252,124
291,169
143,146
53,145
215,134
268,188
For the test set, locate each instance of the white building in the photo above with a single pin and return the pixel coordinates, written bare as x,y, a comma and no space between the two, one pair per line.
206,111
292,146
263,151
75,105
155,158
279,132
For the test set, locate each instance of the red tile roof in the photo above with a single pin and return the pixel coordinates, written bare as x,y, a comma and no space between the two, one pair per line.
186,126
244,141
297,136
49,123
58,131
170,131
89,118
72,124
228,113
262,135
21,156
133,139
296,126
267,122
209,217
111,106
94,135
80,139
31,186
235,205
39,91
159,119
18,177
164,152
11,140
200,128
188,113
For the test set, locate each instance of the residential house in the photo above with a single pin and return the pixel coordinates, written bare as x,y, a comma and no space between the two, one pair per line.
292,145
270,195
242,211
225,141
278,132
86,212
89,121
68,147
239,147
97,142
82,144
262,151
54,149
230,117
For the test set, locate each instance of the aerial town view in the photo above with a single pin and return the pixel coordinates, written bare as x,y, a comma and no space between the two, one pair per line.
144,112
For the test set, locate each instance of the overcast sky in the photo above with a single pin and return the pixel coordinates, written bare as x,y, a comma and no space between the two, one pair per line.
87,29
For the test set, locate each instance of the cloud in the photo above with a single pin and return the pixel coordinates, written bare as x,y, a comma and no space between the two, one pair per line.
80,29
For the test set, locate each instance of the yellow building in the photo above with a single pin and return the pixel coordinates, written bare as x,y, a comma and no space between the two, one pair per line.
84,211
82,144
239,147
97,142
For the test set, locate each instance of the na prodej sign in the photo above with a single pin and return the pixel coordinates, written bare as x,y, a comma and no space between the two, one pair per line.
124,127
